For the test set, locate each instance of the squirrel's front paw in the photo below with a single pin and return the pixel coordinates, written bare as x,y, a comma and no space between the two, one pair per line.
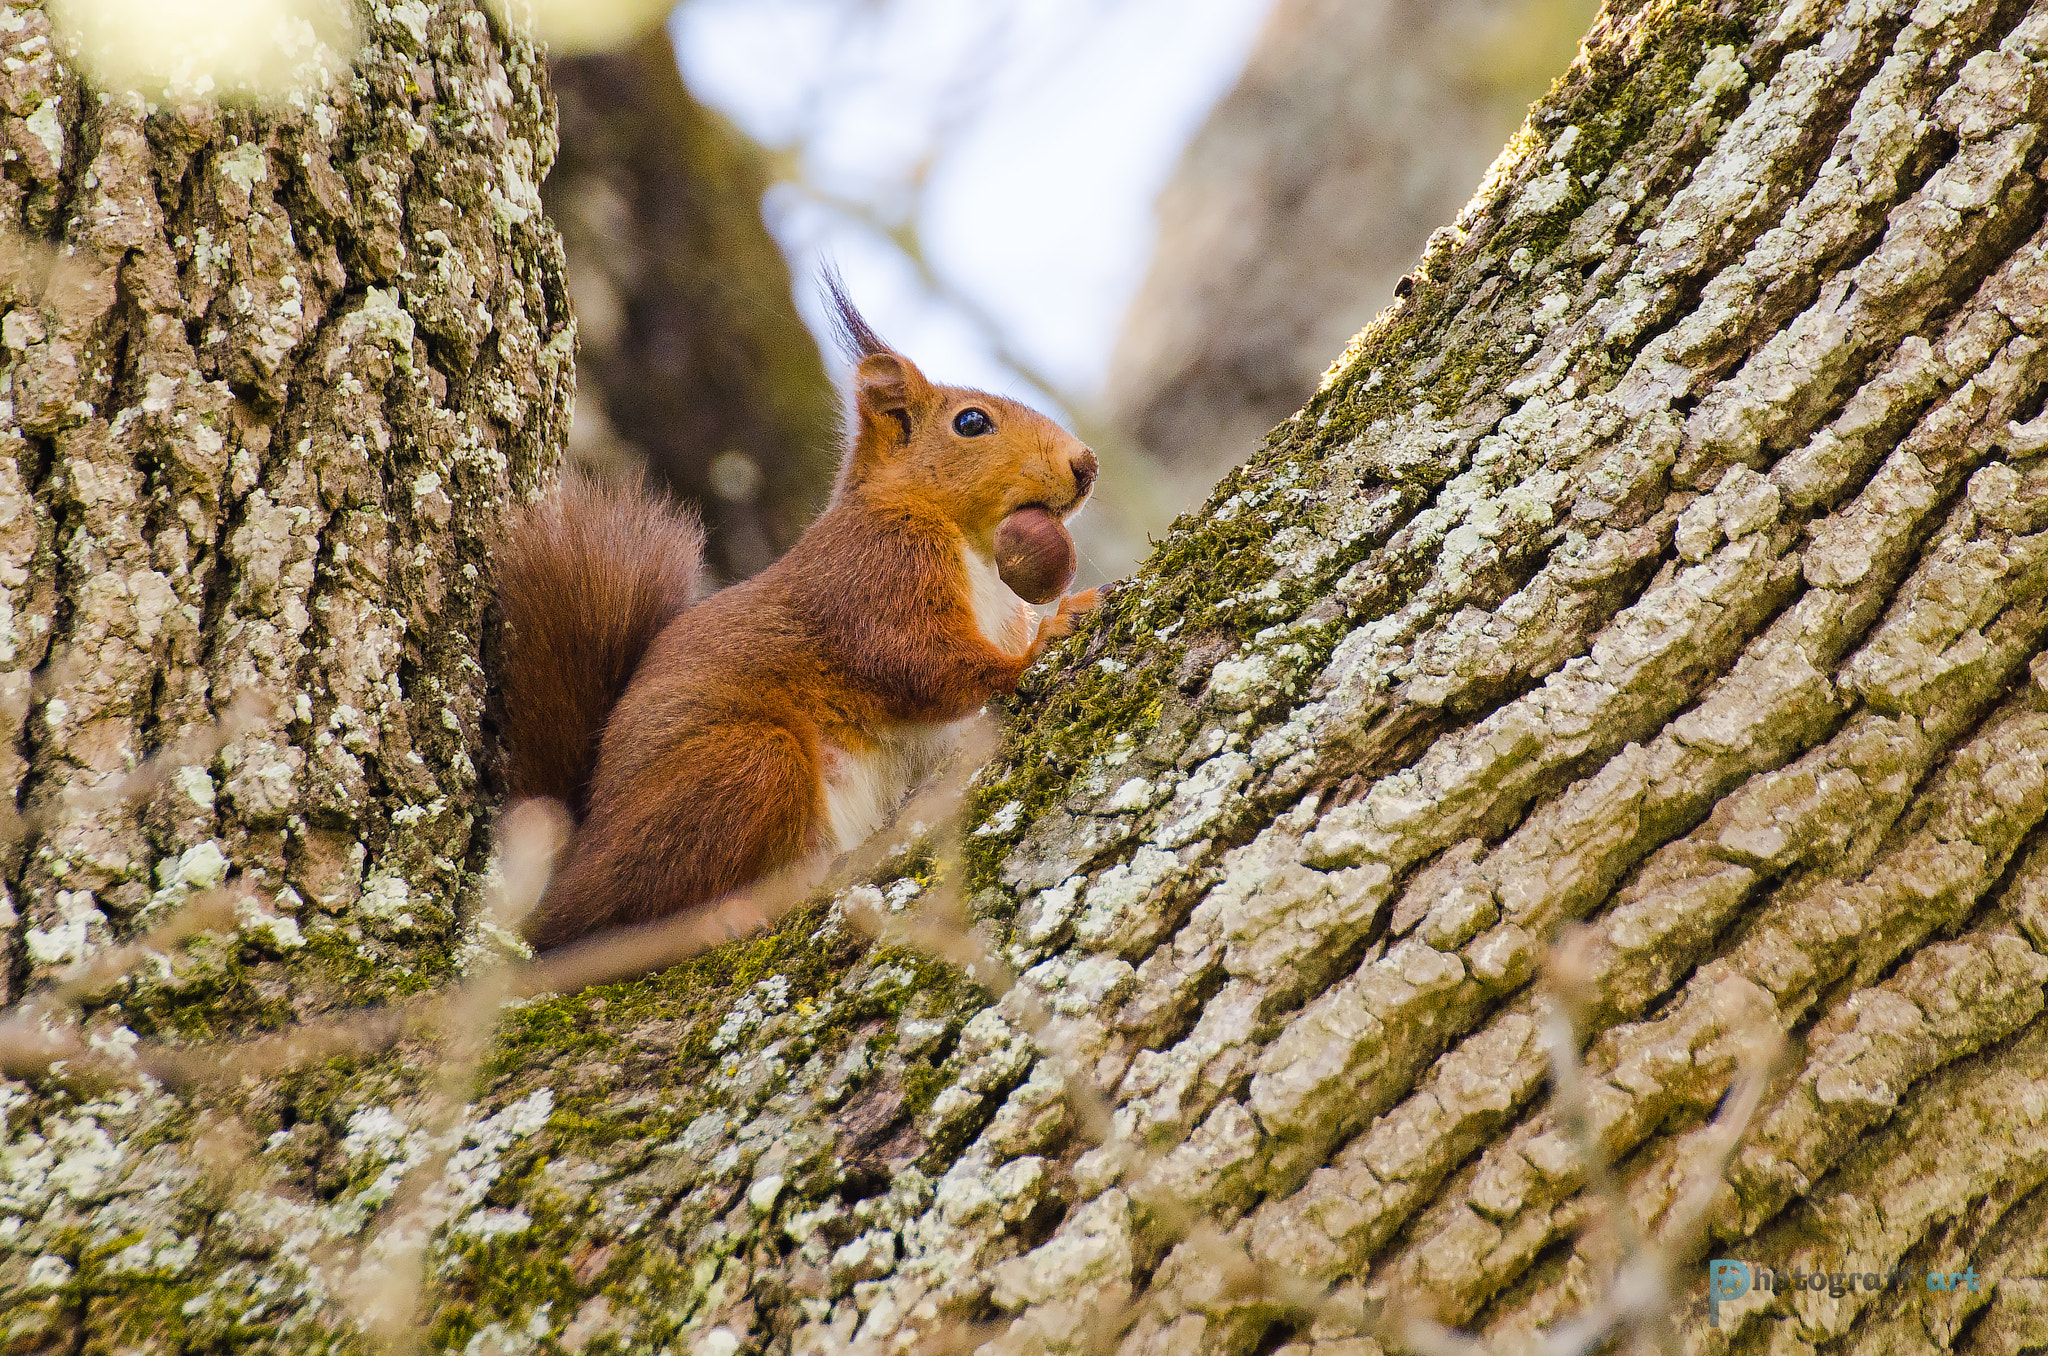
1071,609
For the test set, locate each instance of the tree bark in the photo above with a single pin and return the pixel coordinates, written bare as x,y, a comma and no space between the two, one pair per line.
272,373
1673,559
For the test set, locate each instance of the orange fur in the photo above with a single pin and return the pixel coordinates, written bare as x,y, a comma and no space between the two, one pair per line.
586,580
752,710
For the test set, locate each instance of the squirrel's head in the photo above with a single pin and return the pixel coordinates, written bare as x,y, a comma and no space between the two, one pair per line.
979,457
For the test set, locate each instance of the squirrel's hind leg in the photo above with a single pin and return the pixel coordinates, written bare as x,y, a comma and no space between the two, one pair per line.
720,807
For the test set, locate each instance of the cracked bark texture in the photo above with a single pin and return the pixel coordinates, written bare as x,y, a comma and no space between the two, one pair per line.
270,376
1673,560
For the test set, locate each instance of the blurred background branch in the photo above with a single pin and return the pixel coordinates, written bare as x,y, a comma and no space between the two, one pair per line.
692,358
987,177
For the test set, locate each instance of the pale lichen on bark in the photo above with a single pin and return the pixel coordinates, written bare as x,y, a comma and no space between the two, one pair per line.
272,372
1673,559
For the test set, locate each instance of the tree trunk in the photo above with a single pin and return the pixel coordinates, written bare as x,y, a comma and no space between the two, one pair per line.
272,374
1674,558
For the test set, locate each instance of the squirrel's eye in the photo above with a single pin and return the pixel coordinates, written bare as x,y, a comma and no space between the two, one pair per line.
971,423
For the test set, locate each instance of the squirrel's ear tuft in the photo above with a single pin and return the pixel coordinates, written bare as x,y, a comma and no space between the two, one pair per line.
857,338
890,396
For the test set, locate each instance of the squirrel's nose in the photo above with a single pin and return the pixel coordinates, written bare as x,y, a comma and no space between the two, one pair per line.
1085,469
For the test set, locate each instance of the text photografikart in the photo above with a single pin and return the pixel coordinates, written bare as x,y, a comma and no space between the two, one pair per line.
1728,1279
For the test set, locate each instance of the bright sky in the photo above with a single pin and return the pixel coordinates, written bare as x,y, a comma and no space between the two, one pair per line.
1042,131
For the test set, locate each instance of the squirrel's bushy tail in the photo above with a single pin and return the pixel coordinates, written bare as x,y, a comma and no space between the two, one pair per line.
587,577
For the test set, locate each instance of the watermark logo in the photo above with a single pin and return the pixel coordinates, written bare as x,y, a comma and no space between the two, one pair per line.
1726,1280
1729,1279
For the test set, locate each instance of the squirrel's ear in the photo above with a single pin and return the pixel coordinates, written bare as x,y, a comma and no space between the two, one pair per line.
888,392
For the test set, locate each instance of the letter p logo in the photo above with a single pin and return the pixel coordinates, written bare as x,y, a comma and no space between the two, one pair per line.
1725,1281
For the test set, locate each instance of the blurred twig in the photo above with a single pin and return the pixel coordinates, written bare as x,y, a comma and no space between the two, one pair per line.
386,1289
195,748
1641,1298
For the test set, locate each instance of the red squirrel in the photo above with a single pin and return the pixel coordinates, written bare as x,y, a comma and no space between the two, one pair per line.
703,745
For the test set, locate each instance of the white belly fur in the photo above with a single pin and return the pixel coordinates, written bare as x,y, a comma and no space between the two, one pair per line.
864,787
1005,620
